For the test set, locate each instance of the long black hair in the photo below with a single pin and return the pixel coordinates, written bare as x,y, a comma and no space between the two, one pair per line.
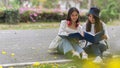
71,10
98,25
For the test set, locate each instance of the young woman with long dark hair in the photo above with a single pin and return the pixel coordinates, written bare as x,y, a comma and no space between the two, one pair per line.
65,44
93,26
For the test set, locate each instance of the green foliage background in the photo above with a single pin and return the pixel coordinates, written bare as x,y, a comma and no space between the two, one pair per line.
109,9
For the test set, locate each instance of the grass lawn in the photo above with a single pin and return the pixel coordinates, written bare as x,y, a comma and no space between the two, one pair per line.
77,63
29,26
41,25
115,23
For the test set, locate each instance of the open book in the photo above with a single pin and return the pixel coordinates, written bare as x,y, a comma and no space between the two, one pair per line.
88,37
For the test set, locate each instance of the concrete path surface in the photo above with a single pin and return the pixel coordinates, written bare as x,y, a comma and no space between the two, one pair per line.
20,46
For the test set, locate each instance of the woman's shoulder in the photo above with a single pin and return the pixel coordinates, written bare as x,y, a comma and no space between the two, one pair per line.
63,21
103,23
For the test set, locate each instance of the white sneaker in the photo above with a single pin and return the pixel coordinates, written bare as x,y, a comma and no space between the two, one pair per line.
84,56
76,54
98,59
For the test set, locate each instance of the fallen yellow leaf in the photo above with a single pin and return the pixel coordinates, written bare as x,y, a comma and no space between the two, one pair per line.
3,52
1,66
12,54
10,67
36,64
55,57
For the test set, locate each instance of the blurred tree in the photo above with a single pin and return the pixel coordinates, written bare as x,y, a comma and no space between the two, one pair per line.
103,4
35,2
5,3
38,2
50,3
14,3
11,3
109,9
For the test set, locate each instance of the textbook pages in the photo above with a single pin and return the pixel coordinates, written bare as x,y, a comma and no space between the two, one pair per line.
93,39
88,37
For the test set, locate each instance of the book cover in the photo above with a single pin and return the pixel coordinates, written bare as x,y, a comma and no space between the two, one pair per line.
76,35
88,37
93,39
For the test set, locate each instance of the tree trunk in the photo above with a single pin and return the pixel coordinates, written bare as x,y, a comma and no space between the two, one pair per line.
6,3
89,4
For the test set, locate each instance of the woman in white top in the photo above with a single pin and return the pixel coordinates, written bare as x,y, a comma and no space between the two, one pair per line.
93,26
64,44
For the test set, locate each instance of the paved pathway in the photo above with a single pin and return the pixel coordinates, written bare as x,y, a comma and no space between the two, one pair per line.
32,45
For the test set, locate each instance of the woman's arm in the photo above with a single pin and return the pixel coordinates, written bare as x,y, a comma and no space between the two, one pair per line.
80,30
62,30
105,36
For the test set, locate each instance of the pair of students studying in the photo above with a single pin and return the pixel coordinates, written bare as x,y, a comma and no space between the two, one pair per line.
70,34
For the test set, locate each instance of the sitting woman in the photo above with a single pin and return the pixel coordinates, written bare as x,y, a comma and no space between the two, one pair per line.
65,44
93,26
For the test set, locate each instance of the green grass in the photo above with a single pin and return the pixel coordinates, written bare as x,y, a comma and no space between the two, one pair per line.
110,63
25,26
77,63
41,25
114,23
